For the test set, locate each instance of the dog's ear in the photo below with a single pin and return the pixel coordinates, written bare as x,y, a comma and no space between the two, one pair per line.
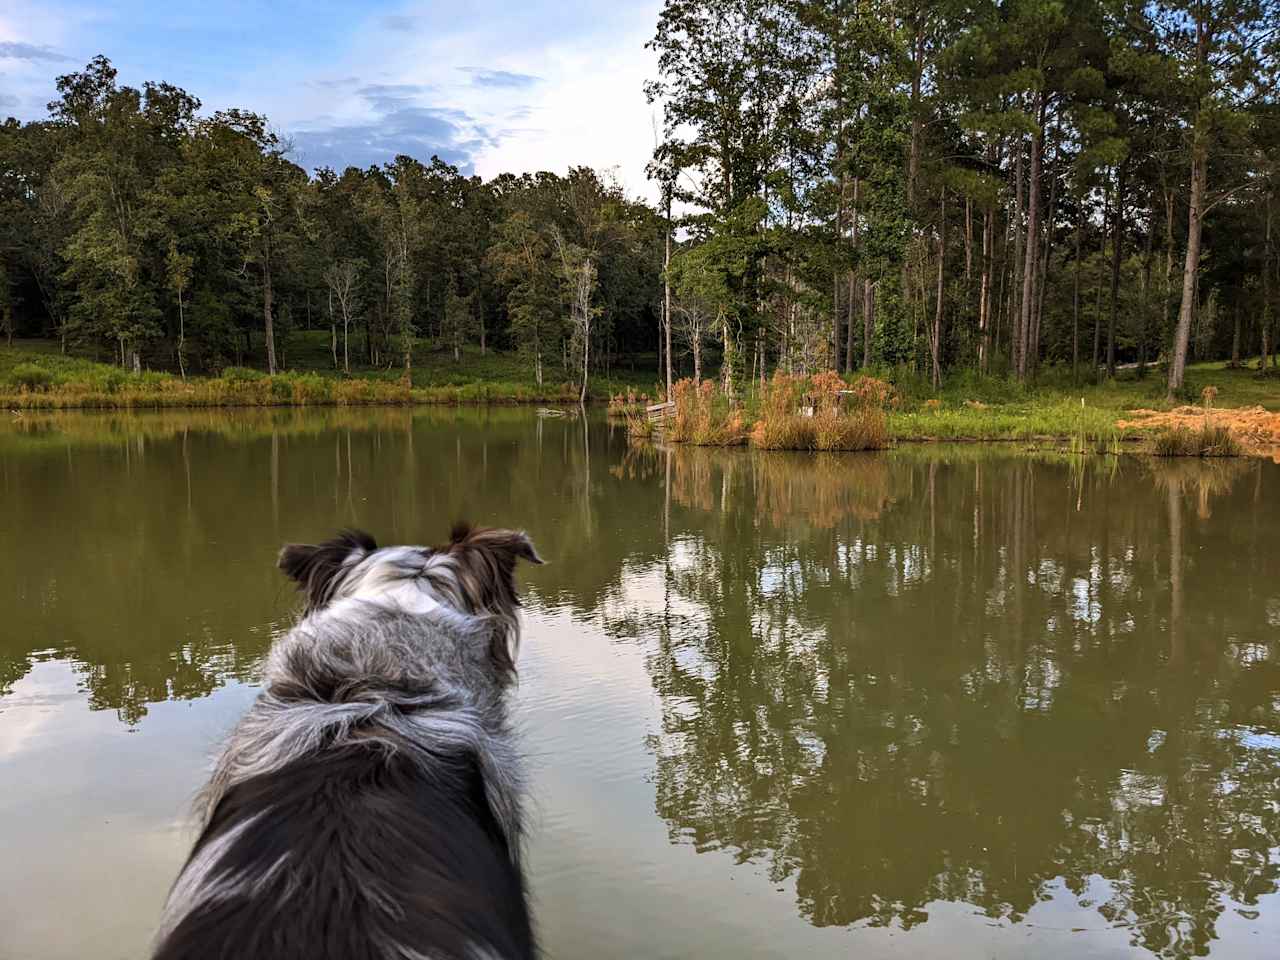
487,564
486,571
317,568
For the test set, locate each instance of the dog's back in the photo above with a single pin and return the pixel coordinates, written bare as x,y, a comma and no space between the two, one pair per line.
368,804
357,854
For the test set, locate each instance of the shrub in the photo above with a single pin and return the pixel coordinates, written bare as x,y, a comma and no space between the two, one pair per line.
871,391
312,388
781,425
785,424
703,417
28,376
864,429
639,427
241,375
1208,441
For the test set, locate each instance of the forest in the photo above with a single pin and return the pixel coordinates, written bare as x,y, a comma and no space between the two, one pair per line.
993,188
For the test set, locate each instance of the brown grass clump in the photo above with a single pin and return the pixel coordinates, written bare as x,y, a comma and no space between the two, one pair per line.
1208,441
640,427
703,418
781,425
808,413
865,429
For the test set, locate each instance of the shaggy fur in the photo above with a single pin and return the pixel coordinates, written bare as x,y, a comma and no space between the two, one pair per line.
368,804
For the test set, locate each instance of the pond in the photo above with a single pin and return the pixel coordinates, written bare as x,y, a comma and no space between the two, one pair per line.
934,702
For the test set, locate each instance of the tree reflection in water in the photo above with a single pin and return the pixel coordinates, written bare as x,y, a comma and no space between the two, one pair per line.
945,677
938,674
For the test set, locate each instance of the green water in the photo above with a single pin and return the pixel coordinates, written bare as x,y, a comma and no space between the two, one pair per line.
931,703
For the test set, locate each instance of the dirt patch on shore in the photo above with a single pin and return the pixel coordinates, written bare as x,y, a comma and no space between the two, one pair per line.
1255,427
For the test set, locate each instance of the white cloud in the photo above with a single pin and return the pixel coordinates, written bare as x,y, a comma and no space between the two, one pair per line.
525,93
492,86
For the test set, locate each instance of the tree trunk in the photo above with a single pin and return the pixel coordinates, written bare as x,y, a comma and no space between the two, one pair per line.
1190,269
1097,306
1166,293
868,321
182,337
1144,312
1264,322
1015,303
1235,336
1042,281
935,341
726,372
267,328
984,295
848,327
968,241
1032,254
835,354
333,331
666,295
1075,302
1117,238
849,297
913,149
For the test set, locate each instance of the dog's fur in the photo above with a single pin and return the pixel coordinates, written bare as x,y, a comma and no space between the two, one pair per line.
368,804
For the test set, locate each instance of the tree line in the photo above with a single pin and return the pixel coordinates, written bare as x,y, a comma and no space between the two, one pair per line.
990,185
994,186
131,223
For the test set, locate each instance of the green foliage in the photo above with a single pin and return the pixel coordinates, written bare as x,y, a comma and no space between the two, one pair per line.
28,376
242,375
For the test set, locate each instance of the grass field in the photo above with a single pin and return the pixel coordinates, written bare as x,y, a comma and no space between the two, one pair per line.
34,374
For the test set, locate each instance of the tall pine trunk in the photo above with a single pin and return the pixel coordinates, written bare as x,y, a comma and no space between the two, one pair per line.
267,327
935,341
1190,268
1268,256
1144,313
868,321
666,295
1015,307
1117,237
1075,303
984,287
1032,257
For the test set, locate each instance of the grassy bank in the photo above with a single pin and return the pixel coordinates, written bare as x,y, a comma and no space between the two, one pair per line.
1129,412
36,375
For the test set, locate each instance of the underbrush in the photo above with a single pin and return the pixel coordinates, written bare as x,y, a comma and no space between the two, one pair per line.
794,412
1210,440
703,417
49,380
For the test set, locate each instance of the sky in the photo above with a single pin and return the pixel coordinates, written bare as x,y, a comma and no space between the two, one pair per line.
491,87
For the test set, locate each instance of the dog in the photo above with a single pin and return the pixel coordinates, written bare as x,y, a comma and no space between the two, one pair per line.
368,805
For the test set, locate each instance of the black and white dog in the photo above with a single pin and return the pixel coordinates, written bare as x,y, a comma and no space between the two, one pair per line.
368,804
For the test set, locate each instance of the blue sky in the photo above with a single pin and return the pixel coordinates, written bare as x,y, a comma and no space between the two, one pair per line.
489,86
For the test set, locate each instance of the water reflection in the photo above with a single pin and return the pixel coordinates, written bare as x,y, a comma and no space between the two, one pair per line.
1009,677
940,674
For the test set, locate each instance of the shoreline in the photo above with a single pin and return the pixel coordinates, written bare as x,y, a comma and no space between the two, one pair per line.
1132,442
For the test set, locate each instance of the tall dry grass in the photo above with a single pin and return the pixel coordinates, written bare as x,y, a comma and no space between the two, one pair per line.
815,413
703,417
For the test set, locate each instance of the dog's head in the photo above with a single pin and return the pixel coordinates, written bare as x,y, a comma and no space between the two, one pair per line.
473,574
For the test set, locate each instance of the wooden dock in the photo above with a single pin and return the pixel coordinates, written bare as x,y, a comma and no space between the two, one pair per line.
660,412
